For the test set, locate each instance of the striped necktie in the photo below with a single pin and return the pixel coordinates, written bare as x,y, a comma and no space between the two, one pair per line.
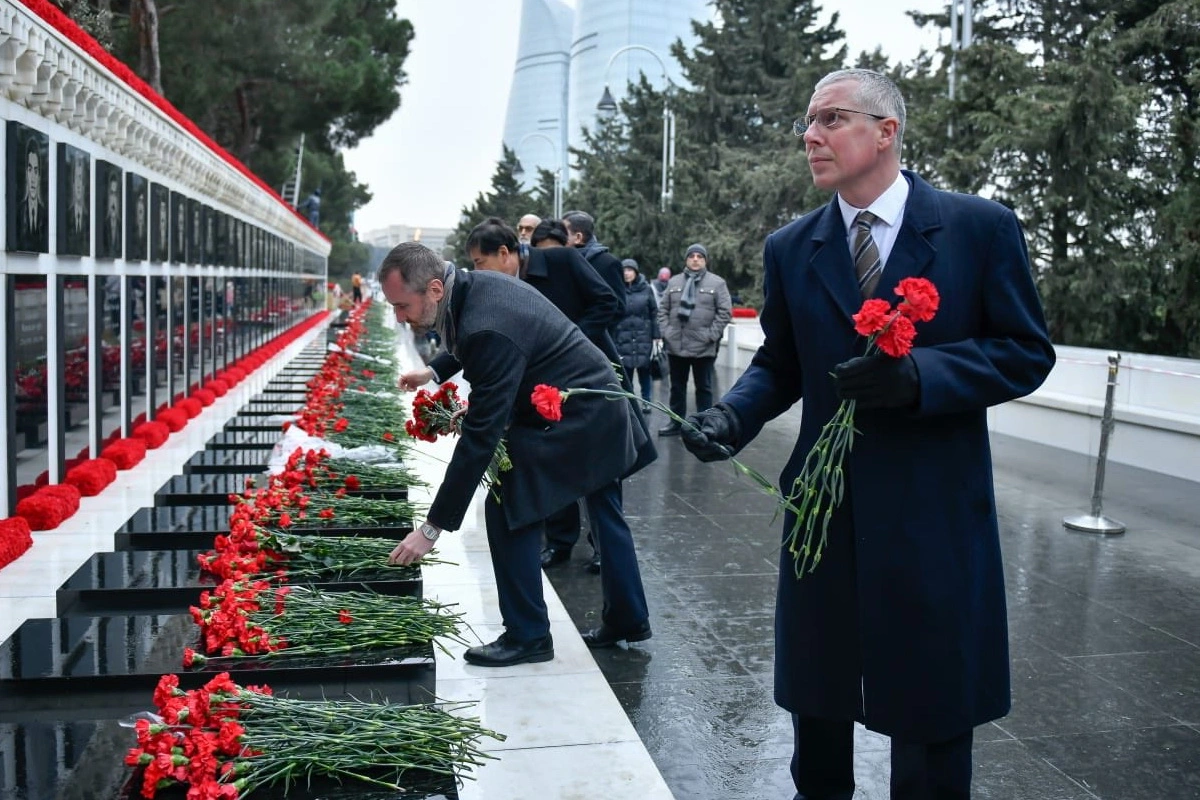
867,264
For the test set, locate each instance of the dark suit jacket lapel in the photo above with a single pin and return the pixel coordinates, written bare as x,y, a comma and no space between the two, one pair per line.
912,253
831,260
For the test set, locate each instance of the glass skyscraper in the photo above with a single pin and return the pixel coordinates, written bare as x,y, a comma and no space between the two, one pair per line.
535,126
563,66
602,29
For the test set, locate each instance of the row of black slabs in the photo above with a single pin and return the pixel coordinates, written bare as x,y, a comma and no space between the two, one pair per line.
71,685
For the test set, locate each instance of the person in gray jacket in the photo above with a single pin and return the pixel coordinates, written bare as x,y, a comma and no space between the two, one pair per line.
692,317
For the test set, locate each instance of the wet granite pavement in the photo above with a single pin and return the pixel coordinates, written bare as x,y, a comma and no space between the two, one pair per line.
1105,631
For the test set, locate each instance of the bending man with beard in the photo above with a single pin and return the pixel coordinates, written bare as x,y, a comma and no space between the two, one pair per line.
509,339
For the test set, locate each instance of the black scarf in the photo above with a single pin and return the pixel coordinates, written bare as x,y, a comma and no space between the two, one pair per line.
687,301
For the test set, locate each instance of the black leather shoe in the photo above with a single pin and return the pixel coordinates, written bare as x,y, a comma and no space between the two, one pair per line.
593,566
504,653
552,557
606,636
670,429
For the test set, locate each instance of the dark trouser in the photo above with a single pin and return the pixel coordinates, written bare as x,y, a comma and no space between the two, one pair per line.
562,528
645,382
823,764
620,578
516,562
702,373
358,294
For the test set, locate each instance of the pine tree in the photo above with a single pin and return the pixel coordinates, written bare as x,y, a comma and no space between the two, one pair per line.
743,171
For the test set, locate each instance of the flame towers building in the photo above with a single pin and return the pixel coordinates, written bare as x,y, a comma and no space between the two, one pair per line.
566,57
535,127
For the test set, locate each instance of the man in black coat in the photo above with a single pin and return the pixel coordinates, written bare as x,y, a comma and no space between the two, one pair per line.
581,234
510,339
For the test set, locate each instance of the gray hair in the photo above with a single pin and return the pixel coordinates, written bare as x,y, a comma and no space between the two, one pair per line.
876,93
416,264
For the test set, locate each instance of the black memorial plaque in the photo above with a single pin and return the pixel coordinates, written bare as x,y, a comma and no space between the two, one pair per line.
195,528
168,581
27,189
72,665
199,490
243,440
74,201
239,462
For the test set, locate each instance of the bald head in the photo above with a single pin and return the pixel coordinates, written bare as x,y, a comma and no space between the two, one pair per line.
525,226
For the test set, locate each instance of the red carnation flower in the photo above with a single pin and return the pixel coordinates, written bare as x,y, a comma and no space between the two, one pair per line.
548,401
206,397
190,406
897,339
154,434
15,539
920,299
66,492
871,318
174,418
344,617
43,512
125,453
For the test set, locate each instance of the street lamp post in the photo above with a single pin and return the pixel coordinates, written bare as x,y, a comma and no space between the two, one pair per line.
608,105
519,171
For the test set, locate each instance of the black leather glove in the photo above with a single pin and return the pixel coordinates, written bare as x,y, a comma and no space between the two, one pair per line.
878,381
715,434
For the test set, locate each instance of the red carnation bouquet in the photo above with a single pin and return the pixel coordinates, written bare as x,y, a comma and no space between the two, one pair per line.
92,476
223,741
49,506
125,453
154,434
440,413
817,490
15,539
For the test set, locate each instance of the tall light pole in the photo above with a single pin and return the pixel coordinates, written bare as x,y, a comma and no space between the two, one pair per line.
961,33
608,106
519,171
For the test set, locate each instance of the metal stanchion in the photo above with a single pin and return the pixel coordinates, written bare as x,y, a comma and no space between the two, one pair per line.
1096,522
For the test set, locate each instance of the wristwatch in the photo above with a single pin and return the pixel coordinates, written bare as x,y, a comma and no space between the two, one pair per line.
429,532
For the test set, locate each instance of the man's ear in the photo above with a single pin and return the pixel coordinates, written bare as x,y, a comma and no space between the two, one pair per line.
436,290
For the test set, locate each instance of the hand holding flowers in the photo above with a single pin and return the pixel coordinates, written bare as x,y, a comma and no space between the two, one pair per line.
884,377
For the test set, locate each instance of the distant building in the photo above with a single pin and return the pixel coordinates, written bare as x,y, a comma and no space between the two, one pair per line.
562,58
392,235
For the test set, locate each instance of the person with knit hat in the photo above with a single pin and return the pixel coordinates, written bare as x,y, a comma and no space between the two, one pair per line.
692,317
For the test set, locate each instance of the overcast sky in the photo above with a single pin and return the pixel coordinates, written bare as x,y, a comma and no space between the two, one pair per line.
439,150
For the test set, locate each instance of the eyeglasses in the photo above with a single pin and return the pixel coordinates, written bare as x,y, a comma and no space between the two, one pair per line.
828,118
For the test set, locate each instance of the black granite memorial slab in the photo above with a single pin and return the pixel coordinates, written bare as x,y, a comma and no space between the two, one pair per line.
195,528
239,462
243,440
269,408
283,392
253,425
200,490
71,665
168,581
170,519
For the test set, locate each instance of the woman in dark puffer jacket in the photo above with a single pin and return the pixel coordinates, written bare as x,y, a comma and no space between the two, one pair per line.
637,331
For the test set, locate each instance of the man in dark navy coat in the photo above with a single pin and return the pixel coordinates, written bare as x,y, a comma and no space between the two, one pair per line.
509,339
902,624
